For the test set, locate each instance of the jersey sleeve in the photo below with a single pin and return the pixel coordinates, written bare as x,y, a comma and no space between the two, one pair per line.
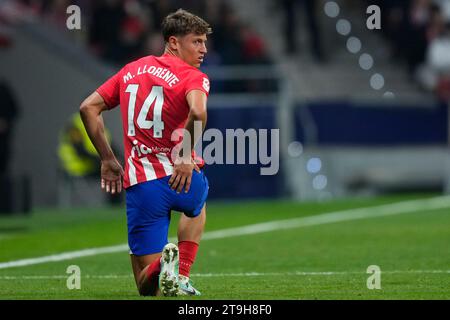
110,91
198,81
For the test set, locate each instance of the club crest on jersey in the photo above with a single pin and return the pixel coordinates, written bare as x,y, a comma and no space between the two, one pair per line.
206,84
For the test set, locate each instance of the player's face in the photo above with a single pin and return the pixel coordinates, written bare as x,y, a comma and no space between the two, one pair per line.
192,49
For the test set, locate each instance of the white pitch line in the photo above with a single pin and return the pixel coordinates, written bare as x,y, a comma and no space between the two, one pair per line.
332,217
325,218
64,256
241,274
309,273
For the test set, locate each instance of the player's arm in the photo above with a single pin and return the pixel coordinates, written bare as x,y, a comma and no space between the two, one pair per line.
197,103
91,113
182,173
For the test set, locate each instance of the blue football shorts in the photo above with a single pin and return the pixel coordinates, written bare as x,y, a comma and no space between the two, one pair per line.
149,206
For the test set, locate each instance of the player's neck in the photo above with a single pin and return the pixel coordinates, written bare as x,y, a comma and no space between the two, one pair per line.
170,52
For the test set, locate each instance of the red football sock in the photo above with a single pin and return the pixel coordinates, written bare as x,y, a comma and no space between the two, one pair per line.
152,275
188,252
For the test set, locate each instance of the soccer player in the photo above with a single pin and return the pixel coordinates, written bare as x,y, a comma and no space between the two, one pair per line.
158,95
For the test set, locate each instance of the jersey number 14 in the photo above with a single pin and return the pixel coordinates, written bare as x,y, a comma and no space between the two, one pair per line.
156,96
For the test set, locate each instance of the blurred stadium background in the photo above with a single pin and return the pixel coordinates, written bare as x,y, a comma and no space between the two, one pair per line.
361,113
368,108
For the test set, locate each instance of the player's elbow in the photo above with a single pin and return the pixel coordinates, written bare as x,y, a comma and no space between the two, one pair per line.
84,108
198,114
92,105
88,109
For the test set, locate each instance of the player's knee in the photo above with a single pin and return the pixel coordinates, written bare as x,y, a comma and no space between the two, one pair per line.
142,292
146,291
147,288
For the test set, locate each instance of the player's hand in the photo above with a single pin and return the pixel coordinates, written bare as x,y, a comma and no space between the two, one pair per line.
111,174
182,174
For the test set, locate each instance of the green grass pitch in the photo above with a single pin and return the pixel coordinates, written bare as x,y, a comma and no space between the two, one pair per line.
323,261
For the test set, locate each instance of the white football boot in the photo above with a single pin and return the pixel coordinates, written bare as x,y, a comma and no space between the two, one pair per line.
168,277
186,288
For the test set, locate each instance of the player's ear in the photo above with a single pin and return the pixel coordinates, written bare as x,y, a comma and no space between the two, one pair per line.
173,43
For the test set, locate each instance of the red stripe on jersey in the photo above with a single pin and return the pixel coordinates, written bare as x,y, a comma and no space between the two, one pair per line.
140,173
159,170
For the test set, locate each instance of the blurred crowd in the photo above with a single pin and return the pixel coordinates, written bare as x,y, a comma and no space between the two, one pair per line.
119,31
419,34
290,10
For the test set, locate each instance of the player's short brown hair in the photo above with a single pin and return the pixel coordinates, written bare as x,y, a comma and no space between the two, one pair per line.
182,22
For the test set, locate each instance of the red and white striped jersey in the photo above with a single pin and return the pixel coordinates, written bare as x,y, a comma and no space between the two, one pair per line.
152,93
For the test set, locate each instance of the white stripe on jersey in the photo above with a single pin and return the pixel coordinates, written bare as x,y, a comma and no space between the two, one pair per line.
165,162
150,173
131,172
